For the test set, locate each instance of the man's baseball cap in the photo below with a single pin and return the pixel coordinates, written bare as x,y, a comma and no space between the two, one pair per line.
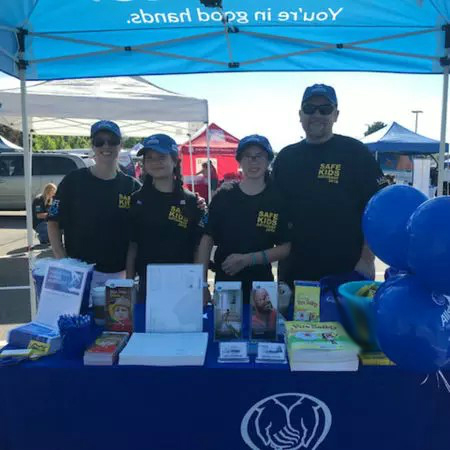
161,143
254,139
320,90
105,125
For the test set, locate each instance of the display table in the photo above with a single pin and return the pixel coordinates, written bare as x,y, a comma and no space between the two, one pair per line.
57,404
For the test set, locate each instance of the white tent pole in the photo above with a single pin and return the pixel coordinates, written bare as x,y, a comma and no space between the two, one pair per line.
191,163
27,172
208,155
441,164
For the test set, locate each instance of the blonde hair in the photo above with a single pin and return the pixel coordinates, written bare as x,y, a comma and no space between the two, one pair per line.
46,193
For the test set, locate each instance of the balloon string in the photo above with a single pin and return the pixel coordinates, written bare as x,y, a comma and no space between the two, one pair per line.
425,380
446,384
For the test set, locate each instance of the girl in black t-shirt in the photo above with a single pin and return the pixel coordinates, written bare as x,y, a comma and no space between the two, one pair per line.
247,221
166,224
40,207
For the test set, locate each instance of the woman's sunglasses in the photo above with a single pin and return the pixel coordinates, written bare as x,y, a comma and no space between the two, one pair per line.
113,141
324,110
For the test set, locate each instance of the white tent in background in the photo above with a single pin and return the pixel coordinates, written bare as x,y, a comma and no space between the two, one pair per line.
69,107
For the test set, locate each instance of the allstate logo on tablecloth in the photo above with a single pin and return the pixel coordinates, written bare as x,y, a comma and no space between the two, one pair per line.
289,421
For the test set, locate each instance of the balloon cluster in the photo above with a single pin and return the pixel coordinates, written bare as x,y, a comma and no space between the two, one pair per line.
412,309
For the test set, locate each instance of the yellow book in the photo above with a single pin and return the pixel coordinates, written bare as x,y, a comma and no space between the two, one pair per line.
375,359
307,301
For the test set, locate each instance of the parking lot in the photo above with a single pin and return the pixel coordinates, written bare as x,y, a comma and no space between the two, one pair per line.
14,281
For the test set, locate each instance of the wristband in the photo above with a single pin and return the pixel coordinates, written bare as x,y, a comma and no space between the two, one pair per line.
265,258
253,260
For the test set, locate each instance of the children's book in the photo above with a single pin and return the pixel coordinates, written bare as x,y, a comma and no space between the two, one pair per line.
320,346
106,348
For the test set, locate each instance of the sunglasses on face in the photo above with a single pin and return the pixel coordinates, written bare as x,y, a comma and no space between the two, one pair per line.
113,141
324,110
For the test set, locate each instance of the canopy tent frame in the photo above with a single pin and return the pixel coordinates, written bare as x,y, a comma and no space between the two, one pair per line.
143,48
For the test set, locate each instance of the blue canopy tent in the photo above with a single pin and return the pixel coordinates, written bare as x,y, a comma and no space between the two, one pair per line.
394,138
54,39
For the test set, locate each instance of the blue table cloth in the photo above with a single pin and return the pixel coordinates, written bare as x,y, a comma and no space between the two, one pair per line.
59,404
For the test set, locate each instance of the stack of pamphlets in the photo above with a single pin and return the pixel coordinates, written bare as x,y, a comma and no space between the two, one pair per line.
320,346
165,349
106,348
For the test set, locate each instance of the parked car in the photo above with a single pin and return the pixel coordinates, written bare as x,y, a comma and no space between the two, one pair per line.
46,168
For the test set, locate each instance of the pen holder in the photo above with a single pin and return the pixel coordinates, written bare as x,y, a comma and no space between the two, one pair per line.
77,334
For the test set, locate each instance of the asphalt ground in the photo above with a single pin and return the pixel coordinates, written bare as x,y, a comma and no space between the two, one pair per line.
14,278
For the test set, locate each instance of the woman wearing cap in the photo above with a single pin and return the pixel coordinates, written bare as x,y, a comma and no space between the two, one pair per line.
166,224
91,207
247,221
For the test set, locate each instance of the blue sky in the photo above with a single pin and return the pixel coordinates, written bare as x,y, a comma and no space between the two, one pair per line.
267,103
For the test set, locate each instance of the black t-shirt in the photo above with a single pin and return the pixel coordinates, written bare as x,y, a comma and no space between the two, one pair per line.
94,216
241,223
167,227
38,207
327,187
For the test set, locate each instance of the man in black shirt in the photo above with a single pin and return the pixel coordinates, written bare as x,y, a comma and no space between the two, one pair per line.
91,206
327,180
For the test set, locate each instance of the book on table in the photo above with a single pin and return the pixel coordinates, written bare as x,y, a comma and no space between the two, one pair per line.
165,349
106,348
321,346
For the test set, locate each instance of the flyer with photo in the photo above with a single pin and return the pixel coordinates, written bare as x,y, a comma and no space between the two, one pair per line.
264,311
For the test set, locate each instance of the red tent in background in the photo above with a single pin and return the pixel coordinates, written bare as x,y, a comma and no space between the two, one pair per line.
222,147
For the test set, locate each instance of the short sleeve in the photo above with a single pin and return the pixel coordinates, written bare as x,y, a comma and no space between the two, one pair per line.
371,177
285,227
198,221
59,208
212,218
133,219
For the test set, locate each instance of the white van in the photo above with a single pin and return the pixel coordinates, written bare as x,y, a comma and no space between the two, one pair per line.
46,168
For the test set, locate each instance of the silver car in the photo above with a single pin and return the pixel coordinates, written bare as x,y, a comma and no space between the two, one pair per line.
47,168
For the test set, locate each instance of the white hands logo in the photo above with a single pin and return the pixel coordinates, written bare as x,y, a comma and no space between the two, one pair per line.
288,421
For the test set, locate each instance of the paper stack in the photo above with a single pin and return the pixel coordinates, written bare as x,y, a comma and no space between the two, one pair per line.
320,346
165,349
106,348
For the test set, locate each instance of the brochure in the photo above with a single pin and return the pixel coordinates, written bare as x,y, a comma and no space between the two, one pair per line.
307,301
264,306
227,311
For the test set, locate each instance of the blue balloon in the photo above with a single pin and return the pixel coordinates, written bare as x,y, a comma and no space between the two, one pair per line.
429,243
412,324
385,219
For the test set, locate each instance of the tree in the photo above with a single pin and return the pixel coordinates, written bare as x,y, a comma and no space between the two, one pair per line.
375,126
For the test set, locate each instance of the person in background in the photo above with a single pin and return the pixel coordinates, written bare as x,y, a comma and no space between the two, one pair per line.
247,221
91,207
214,176
40,207
327,180
166,221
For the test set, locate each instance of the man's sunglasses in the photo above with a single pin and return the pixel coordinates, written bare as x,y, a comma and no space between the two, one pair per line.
113,141
324,110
